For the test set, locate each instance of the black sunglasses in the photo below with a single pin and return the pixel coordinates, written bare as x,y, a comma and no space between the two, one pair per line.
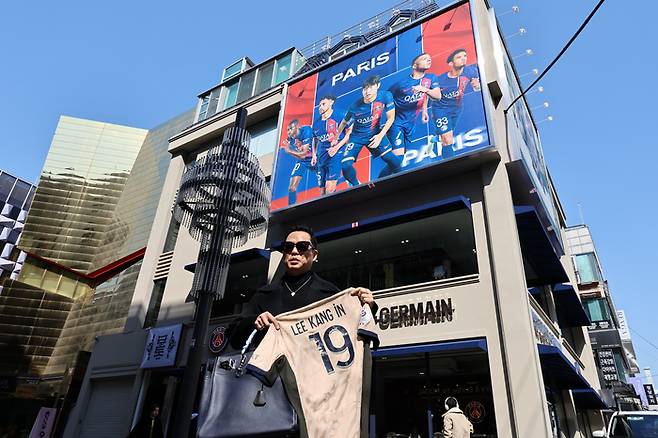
302,246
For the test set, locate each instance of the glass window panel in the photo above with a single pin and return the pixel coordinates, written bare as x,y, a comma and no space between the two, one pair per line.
67,287
203,109
597,310
50,281
587,268
6,183
419,251
18,195
155,302
263,137
264,81
246,86
214,101
232,70
28,201
282,69
231,95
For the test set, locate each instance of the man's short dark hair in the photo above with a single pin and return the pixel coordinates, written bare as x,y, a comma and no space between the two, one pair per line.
413,61
451,402
451,57
304,229
330,97
293,122
372,80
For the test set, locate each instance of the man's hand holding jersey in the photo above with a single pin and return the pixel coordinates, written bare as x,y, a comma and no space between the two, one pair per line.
364,295
264,320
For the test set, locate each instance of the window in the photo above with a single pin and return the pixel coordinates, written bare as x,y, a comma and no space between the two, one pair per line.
172,235
232,70
263,137
155,302
231,95
421,250
203,109
587,267
264,81
214,101
246,86
6,183
597,310
18,195
282,69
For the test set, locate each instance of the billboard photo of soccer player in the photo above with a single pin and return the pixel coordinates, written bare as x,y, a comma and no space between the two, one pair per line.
408,101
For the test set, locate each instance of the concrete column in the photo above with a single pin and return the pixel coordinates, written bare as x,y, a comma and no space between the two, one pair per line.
519,348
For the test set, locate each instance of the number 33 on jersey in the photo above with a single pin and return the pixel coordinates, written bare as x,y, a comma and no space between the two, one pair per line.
319,353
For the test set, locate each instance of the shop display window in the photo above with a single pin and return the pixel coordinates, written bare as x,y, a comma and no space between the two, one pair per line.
409,392
431,248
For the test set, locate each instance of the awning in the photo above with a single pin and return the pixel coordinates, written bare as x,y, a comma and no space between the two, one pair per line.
435,207
570,311
541,259
470,344
558,371
248,254
588,399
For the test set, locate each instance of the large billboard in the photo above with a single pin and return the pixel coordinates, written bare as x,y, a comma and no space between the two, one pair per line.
409,101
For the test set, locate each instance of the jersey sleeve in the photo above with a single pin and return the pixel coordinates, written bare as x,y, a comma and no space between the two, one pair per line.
348,117
263,361
388,101
435,82
367,327
306,135
471,71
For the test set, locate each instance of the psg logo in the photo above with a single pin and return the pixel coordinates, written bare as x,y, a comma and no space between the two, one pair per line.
218,340
475,412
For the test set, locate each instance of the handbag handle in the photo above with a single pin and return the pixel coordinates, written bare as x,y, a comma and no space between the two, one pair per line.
239,370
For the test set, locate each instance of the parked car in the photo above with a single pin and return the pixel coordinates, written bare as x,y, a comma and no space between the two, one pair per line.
631,424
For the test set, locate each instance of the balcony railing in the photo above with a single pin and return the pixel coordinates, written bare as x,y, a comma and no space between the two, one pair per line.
338,45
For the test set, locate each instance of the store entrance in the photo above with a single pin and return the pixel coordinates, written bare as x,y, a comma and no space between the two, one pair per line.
409,391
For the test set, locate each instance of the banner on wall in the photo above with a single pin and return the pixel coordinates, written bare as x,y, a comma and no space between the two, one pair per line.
410,101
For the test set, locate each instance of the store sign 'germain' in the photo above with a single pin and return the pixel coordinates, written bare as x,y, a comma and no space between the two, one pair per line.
415,314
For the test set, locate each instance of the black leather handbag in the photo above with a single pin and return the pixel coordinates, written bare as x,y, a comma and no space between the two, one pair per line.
235,404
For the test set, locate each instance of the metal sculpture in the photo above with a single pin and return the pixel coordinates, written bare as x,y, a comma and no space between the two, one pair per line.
223,201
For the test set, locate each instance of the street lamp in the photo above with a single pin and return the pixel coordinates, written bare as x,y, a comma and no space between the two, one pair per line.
223,201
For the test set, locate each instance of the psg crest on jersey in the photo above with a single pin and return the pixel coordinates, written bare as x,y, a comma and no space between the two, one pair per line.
218,340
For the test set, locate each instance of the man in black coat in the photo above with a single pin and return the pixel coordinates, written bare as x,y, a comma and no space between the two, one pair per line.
298,287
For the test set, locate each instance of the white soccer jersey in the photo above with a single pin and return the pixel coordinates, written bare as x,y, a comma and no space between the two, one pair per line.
319,353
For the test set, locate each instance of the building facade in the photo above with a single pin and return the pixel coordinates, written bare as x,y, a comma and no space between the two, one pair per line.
609,334
15,199
83,246
467,257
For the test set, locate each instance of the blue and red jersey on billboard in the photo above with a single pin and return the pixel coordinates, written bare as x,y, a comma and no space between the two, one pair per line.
304,136
368,118
408,104
453,88
326,132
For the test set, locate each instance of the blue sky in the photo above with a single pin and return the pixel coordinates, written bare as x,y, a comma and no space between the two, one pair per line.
140,63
